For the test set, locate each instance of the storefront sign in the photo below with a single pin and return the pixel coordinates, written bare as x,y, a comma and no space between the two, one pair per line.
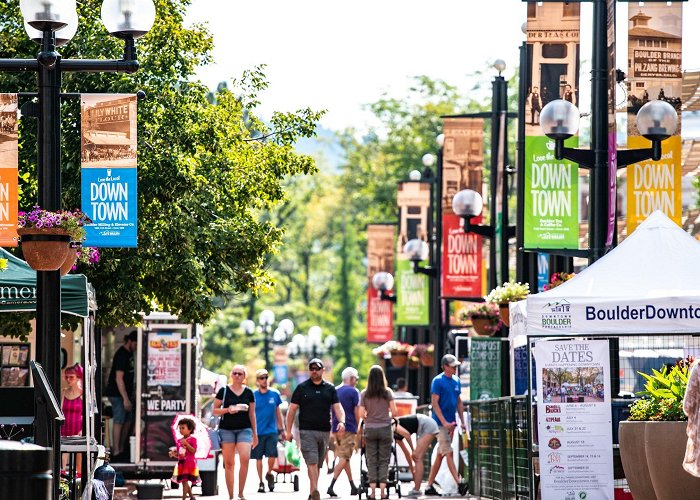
108,152
574,419
485,368
8,170
163,359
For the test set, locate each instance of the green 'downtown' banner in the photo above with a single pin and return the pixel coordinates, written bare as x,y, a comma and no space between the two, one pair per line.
412,297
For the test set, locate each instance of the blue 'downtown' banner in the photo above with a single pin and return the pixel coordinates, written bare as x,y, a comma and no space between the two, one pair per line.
108,174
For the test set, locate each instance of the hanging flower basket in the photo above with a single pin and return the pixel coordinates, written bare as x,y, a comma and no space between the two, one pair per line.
399,359
413,363
484,317
483,326
45,249
72,258
426,359
504,311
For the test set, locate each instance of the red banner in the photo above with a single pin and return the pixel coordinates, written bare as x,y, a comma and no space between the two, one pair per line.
380,317
8,170
461,259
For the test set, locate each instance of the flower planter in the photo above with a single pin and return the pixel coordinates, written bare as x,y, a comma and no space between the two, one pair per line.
399,359
504,311
45,249
665,448
426,359
413,364
481,326
634,459
70,261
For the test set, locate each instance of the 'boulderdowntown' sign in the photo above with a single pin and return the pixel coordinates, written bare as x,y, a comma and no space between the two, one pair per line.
551,185
574,419
654,54
108,153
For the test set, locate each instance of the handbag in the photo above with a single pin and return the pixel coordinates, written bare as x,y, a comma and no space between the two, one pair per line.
216,432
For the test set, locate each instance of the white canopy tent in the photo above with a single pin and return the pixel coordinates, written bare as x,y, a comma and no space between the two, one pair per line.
650,283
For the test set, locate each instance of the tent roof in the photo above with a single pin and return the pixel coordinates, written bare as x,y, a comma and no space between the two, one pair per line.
654,268
18,289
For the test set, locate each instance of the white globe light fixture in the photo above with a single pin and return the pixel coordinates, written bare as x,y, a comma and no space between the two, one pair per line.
266,318
315,334
128,18
657,120
47,14
440,140
62,35
279,336
331,342
416,250
414,175
383,281
499,65
248,326
467,203
428,160
559,119
287,325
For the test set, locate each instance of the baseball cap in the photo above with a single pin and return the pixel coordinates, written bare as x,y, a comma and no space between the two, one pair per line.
316,362
131,336
449,360
261,373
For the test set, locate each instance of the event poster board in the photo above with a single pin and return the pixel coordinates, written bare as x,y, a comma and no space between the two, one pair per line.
380,258
574,419
551,202
164,358
108,173
8,170
485,368
654,72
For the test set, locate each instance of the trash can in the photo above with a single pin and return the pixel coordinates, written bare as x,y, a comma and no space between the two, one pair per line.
25,470
149,491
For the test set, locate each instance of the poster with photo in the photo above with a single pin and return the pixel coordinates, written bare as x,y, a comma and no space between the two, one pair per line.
574,419
8,170
108,173
164,359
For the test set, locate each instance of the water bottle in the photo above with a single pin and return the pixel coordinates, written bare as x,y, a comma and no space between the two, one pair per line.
104,474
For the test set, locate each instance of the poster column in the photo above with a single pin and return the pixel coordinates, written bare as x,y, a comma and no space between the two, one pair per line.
574,419
380,258
654,55
108,173
8,170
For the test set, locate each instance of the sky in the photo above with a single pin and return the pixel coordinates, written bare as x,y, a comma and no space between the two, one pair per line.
339,55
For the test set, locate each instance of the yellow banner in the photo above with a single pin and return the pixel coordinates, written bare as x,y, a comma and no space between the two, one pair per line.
8,170
654,185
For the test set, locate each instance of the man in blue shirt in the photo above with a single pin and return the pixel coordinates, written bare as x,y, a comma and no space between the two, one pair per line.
270,424
447,405
349,398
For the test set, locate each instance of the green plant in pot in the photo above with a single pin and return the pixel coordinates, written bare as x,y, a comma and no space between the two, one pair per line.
484,317
653,440
510,291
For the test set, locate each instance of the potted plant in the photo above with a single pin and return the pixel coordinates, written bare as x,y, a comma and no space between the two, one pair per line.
80,254
395,350
484,317
422,353
653,439
510,291
46,236
557,279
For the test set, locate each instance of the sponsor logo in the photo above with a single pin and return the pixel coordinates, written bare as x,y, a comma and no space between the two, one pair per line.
556,469
555,428
554,443
553,458
557,315
552,409
570,495
582,494
552,419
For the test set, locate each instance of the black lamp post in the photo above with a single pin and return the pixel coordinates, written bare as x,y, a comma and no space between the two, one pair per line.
52,23
285,328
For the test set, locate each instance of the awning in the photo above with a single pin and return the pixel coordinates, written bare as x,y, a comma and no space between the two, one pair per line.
18,289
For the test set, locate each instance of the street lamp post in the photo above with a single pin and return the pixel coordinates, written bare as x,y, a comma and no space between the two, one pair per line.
312,345
268,336
384,283
51,23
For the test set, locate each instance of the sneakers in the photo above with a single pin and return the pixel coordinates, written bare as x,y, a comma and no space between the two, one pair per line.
270,481
430,491
331,493
463,487
413,494
315,495
353,489
261,487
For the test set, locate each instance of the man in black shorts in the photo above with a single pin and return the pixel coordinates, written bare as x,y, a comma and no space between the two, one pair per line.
314,399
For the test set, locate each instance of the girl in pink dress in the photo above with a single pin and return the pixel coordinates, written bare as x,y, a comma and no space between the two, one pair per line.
187,473
72,406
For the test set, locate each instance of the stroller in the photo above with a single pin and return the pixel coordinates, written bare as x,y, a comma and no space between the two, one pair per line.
393,480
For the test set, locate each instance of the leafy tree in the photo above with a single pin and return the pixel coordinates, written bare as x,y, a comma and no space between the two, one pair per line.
208,167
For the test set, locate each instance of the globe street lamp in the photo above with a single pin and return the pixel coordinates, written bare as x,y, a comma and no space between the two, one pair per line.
384,283
278,336
52,22
312,345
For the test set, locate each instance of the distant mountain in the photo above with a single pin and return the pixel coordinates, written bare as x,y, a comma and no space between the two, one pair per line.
325,148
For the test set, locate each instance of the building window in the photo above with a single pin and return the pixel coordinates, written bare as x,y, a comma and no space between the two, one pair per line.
639,85
554,50
531,10
572,9
664,44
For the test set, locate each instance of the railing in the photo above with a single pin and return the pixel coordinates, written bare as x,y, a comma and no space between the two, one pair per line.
498,449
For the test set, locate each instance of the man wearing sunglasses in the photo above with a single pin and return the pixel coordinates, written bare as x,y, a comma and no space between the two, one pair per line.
314,399
269,419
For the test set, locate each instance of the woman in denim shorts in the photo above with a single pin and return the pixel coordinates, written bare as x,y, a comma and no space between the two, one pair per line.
237,428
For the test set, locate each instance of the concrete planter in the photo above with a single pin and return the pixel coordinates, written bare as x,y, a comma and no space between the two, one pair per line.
665,448
634,459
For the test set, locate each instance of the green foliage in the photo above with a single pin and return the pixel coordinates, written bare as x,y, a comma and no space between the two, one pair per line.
511,291
207,169
664,392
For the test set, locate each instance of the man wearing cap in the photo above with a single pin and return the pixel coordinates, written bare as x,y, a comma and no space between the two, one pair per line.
120,391
349,398
270,423
446,403
314,399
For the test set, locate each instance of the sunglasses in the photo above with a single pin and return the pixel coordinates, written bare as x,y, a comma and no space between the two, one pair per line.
237,374
315,369
264,377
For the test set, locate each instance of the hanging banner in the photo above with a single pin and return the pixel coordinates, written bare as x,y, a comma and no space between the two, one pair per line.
412,289
164,363
654,72
485,368
8,170
461,259
574,419
551,201
380,258
612,127
108,173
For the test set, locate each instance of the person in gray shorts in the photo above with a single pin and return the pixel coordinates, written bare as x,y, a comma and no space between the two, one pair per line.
425,429
314,399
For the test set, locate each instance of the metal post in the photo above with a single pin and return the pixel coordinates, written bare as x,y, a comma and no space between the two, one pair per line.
266,346
493,202
436,304
501,106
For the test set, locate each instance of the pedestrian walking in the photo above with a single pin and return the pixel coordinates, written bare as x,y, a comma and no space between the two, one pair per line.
187,473
402,389
446,404
691,407
425,429
237,428
377,407
270,424
349,398
314,399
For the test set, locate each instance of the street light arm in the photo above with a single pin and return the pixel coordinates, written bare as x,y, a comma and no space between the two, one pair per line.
429,271
584,157
629,156
386,296
485,231
19,65
99,65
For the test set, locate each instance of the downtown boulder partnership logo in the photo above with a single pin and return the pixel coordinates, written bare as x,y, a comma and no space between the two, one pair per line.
557,315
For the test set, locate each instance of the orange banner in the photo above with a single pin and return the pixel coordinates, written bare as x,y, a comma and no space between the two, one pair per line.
8,170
